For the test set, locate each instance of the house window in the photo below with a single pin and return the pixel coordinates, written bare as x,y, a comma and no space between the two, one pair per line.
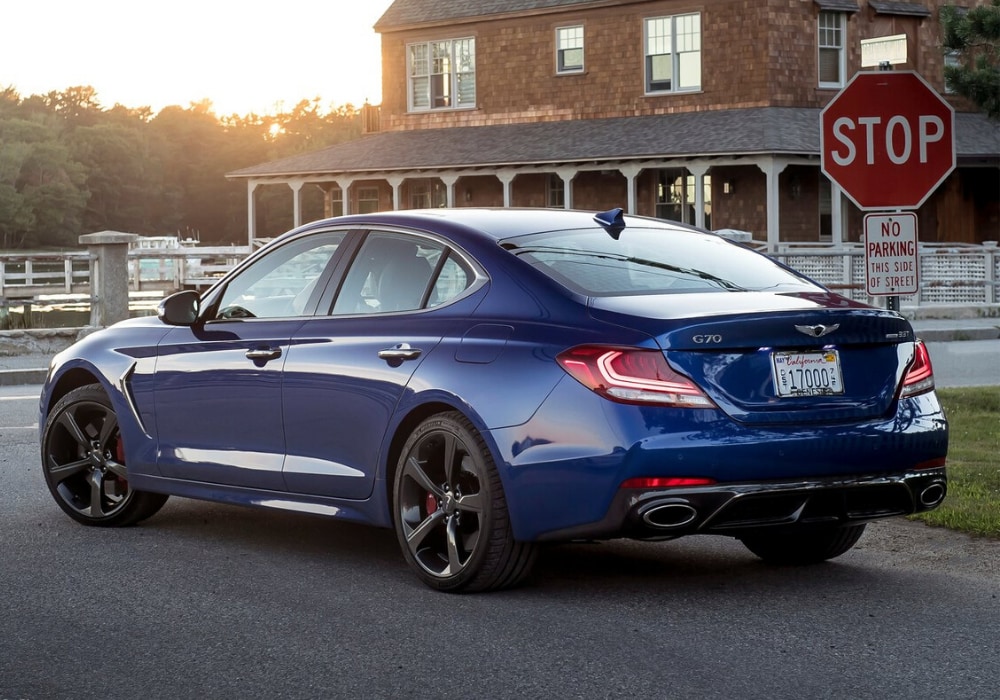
673,53
555,193
368,200
427,194
952,59
569,49
832,57
675,196
336,202
442,74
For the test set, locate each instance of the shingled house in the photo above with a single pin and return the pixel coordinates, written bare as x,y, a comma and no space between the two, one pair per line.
705,112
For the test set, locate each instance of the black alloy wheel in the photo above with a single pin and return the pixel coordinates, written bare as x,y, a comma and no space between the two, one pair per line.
83,459
451,516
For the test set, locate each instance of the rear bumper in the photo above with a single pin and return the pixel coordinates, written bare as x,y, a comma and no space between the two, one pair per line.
734,509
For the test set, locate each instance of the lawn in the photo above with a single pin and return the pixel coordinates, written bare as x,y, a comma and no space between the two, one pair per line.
973,502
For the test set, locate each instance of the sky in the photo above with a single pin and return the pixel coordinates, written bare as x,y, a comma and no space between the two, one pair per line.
243,56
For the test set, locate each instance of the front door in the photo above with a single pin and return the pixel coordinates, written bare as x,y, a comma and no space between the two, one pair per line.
218,389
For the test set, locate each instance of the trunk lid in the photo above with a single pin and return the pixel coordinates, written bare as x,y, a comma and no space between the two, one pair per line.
835,360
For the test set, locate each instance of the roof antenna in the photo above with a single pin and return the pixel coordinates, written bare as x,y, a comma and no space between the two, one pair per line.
612,220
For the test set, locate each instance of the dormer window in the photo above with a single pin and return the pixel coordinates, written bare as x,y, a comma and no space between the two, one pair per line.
569,49
442,74
832,31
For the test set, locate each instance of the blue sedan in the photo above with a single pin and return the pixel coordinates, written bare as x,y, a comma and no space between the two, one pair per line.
485,381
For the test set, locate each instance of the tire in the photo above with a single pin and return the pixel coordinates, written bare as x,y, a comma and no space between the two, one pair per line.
450,513
807,546
83,460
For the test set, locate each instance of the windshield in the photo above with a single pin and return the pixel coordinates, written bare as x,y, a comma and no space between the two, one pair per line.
651,261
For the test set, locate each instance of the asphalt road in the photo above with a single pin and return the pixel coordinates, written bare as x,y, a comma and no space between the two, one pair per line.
207,600
966,363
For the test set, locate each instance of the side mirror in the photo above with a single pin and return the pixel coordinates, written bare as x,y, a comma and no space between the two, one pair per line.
180,309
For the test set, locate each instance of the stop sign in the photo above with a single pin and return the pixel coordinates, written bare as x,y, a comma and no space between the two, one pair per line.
888,140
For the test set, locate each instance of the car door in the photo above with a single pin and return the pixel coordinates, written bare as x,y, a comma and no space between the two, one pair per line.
219,382
346,371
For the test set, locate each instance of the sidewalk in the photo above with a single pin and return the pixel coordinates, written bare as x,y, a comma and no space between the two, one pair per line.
31,368
23,369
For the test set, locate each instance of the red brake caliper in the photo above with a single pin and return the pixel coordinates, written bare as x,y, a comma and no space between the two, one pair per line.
430,503
120,458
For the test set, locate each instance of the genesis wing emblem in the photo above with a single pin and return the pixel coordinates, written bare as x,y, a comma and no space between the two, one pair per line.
817,331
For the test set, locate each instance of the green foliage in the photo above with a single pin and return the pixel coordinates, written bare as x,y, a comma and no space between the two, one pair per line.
41,194
975,35
69,166
973,502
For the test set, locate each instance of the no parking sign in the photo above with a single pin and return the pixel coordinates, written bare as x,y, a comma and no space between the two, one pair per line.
891,261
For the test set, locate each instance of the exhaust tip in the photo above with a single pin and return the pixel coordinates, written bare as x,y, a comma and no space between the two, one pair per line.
932,495
670,515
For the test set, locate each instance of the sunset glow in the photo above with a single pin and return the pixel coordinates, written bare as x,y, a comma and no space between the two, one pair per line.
241,59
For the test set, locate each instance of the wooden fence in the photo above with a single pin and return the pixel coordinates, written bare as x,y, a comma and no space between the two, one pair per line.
30,275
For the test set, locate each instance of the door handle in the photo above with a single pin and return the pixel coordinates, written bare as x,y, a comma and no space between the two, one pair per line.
399,353
263,354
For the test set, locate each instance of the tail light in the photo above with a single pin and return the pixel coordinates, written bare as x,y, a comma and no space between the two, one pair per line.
665,482
632,375
919,377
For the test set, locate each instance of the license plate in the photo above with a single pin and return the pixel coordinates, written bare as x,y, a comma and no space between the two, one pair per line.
807,373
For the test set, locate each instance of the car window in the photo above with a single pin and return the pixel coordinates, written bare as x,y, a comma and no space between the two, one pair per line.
651,261
454,278
397,272
281,282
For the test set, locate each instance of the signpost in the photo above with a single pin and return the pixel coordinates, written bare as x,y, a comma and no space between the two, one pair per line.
888,140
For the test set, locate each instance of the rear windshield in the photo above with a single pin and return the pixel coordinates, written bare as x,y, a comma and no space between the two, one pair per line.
651,261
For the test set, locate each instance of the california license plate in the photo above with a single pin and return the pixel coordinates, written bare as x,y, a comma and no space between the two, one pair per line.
807,373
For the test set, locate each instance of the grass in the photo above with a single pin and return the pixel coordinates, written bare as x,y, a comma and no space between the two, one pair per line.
973,502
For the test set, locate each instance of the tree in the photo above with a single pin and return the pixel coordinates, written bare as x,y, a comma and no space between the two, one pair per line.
124,177
974,34
41,186
69,166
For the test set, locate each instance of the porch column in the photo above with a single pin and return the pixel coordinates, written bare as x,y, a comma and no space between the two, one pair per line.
251,214
837,218
506,177
296,186
631,172
567,175
698,171
772,168
344,183
395,182
449,182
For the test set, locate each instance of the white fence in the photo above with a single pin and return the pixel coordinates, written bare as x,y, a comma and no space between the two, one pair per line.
950,274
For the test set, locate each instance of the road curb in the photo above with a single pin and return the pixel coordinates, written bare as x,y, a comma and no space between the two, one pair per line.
16,377
945,335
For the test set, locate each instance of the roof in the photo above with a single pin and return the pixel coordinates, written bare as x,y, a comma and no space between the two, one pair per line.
494,223
404,13
838,5
735,132
912,9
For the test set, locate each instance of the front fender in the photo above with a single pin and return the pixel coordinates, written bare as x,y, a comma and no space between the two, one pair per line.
121,360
